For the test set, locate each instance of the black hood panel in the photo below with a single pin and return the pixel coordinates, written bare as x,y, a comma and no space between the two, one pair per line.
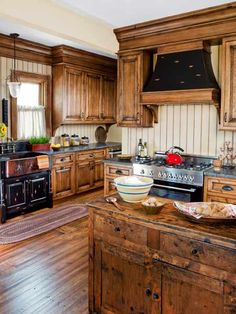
182,70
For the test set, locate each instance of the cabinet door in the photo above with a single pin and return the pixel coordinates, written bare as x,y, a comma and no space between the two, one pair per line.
16,194
228,88
187,292
98,173
93,91
122,283
131,79
84,176
38,187
74,96
63,180
108,112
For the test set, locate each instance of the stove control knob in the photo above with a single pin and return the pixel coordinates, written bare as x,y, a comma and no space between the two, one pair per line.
185,178
191,178
169,175
142,171
164,175
151,172
159,174
180,177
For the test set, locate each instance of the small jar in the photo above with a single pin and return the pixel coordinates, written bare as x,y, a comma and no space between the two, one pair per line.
75,140
84,140
65,140
217,163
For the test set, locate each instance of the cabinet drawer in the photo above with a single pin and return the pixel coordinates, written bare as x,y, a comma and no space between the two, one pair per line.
121,229
91,154
116,170
198,251
63,158
221,186
221,199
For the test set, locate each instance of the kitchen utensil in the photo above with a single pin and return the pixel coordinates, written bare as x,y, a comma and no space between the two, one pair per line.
151,208
194,217
100,134
133,189
173,157
113,200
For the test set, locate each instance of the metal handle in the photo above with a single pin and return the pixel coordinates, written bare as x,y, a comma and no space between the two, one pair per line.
155,296
194,251
227,188
91,155
174,188
118,171
63,170
225,116
62,159
148,292
174,147
82,115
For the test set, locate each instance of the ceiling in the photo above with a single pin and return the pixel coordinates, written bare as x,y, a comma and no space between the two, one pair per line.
85,17
126,12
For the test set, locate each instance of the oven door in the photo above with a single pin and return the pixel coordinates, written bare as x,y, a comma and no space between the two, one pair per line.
180,192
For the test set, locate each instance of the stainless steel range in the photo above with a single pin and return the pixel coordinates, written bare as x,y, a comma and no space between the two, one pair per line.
182,182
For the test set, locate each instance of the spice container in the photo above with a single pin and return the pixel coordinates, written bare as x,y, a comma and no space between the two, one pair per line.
74,140
65,140
84,140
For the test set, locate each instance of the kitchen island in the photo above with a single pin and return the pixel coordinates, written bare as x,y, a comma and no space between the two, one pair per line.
160,263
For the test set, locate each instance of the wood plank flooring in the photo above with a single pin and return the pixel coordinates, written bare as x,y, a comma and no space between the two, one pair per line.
48,273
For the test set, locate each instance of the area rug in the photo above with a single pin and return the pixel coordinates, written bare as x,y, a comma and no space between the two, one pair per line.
41,223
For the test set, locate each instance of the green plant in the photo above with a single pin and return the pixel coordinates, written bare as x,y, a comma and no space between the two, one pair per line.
39,140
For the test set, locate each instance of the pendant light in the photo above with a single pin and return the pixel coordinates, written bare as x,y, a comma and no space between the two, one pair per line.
13,82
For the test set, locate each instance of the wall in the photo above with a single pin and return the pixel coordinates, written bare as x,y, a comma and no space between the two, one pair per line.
193,127
88,130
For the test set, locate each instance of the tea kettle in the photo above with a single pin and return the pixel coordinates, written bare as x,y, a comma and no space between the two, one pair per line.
173,157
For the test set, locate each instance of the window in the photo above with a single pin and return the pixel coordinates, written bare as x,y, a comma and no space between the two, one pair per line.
31,111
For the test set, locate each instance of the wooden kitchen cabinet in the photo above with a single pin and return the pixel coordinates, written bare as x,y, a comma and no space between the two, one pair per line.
161,264
63,175
84,88
219,189
228,84
133,71
90,170
113,171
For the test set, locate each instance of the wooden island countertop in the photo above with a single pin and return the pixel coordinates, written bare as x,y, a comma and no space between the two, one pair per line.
160,263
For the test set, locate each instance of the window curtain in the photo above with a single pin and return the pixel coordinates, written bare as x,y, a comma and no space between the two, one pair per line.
31,121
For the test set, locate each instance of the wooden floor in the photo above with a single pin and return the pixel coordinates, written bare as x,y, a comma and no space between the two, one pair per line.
48,273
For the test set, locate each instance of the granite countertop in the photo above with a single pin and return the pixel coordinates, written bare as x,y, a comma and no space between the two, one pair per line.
73,149
116,161
226,172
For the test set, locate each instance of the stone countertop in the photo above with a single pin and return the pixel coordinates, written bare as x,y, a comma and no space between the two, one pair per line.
225,172
74,149
116,161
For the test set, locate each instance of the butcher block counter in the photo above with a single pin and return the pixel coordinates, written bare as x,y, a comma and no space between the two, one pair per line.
159,263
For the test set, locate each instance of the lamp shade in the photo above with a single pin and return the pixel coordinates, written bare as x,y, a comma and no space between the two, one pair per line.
14,88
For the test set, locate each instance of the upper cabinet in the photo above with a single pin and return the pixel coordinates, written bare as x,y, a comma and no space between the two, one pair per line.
84,88
228,85
133,70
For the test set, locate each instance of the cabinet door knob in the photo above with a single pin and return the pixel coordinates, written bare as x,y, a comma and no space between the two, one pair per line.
194,251
148,292
117,229
227,188
155,296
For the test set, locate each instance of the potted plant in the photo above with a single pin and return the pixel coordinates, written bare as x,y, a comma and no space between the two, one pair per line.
40,143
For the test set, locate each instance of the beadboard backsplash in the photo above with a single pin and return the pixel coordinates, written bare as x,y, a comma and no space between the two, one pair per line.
192,127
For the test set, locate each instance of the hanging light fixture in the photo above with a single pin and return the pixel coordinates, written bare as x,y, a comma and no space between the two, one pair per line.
13,82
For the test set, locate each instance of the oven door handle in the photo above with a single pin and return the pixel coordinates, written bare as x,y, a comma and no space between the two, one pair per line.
174,188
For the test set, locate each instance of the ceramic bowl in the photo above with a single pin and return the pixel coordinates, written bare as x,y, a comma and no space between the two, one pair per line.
133,189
